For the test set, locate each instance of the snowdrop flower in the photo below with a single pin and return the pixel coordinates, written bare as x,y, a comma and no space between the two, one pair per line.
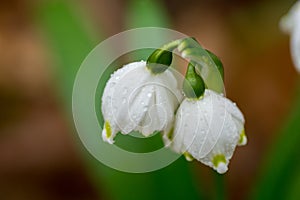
290,23
141,96
208,126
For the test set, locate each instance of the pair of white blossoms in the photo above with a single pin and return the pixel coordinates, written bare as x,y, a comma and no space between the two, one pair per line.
207,128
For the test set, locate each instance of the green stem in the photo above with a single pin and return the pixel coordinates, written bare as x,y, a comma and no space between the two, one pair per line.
172,45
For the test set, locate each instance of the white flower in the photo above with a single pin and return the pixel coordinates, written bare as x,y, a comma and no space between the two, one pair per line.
136,99
208,129
290,23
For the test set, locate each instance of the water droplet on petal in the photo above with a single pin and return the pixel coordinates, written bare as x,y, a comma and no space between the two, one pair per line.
149,95
124,100
117,77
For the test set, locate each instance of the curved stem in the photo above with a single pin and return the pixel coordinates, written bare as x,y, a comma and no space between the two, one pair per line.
190,49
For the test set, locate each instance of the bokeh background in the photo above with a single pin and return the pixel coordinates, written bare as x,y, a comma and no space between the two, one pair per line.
42,44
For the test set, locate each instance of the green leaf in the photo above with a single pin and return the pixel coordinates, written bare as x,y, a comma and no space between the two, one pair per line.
283,161
146,13
67,38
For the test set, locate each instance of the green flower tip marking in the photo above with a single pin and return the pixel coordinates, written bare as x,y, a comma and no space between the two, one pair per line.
107,129
219,163
188,156
193,85
159,61
243,138
170,134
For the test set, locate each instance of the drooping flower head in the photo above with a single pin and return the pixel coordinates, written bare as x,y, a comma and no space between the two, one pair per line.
208,129
140,97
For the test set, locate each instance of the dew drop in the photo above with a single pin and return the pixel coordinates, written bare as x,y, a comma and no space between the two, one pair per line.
117,77
149,94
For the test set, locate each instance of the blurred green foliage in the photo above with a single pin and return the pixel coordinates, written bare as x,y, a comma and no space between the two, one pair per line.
279,178
67,39
70,44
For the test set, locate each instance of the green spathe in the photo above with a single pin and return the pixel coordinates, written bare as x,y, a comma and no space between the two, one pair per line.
159,61
217,61
193,85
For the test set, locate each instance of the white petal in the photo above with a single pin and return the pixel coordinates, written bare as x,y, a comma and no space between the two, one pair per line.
291,19
135,99
208,129
108,133
215,110
290,23
178,134
167,103
222,168
239,120
131,115
150,121
118,89
295,45
233,110
164,101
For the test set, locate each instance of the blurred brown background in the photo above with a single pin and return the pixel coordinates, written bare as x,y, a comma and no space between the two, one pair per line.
39,155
